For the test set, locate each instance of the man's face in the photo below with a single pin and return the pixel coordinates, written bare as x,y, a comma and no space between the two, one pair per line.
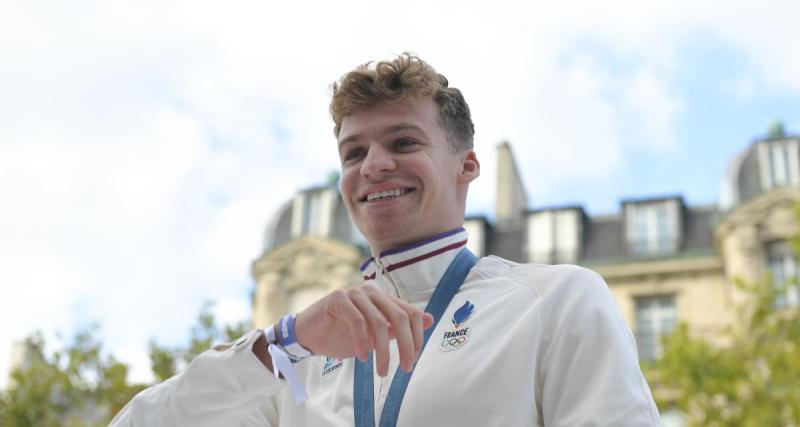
401,181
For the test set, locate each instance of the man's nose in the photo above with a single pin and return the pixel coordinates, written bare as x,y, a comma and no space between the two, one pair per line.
379,161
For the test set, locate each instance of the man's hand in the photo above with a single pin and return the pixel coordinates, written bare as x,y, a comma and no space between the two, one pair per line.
355,321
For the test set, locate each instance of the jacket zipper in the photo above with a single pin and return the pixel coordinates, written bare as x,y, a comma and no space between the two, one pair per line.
386,277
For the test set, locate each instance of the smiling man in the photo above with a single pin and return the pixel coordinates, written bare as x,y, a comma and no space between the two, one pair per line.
403,149
435,336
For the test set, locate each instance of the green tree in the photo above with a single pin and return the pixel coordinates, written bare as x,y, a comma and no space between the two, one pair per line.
751,377
81,385
76,385
165,361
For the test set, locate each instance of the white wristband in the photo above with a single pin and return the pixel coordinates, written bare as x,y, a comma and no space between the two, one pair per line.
287,338
282,364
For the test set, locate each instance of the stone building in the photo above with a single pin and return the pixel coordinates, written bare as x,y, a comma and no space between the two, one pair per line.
665,261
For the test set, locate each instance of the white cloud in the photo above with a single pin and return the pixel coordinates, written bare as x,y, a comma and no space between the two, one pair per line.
143,146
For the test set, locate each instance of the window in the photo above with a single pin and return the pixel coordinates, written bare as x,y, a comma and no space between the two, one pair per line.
654,228
779,164
312,212
567,237
554,236
783,267
655,318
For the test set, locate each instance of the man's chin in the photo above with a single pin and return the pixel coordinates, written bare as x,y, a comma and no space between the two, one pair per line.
389,236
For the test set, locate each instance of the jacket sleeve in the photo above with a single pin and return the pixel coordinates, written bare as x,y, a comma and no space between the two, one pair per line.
226,385
590,370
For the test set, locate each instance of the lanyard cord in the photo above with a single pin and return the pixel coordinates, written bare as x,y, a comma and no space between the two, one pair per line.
363,381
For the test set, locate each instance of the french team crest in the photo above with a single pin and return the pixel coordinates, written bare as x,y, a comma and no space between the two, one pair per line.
457,338
331,365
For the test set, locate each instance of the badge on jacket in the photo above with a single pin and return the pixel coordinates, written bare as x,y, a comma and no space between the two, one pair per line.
458,336
330,366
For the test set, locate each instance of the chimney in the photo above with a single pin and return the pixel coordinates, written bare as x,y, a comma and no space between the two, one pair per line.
511,200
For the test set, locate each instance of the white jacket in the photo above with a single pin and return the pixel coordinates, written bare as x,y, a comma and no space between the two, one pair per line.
544,345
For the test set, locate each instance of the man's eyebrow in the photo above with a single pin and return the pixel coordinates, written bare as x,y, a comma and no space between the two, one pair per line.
349,139
403,126
386,131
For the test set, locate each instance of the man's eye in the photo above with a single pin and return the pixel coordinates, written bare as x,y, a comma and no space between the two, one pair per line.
354,154
404,143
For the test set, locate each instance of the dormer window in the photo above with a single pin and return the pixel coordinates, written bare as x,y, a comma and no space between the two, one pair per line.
653,227
779,163
554,236
312,212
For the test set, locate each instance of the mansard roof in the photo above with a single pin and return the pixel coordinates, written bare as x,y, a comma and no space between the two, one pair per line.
603,236
296,216
744,175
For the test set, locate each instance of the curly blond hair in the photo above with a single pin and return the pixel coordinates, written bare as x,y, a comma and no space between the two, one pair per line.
402,79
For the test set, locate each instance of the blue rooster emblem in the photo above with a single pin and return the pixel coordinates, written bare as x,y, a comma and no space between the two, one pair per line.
463,313
329,362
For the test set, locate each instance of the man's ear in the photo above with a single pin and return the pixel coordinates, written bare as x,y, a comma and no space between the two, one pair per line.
470,168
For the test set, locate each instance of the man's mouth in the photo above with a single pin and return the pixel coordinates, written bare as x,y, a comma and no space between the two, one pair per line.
386,194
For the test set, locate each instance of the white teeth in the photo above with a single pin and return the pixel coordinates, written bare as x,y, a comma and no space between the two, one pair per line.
396,192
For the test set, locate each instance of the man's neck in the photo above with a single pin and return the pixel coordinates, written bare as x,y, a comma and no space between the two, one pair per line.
382,250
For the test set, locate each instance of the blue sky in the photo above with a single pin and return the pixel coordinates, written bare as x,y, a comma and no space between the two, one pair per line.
723,109
144,146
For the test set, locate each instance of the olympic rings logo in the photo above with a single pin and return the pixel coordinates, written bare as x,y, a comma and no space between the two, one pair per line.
449,344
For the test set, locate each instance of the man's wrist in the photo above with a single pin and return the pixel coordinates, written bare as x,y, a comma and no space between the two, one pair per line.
260,350
286,338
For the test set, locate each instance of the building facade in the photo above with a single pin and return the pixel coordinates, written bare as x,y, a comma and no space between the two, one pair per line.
665,261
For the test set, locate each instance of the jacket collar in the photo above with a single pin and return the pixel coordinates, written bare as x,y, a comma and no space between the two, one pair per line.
411,272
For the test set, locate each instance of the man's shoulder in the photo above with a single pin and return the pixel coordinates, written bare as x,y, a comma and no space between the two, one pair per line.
565,292
500,267
543,278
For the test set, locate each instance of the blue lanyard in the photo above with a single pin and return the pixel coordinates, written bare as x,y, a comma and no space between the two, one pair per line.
363,386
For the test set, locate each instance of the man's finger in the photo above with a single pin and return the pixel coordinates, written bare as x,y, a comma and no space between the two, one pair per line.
427,320
378,327
419,322
400,321
417,332
357,325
